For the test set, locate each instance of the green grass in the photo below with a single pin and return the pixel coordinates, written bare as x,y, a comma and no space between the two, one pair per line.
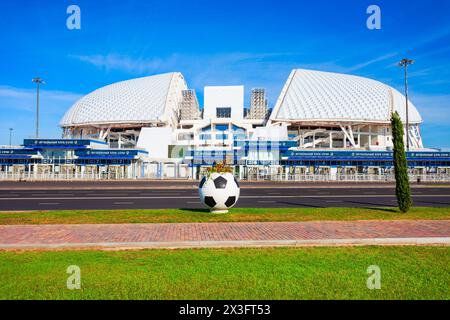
235,215
275,273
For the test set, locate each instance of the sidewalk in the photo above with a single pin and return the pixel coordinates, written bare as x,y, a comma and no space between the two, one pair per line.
192,235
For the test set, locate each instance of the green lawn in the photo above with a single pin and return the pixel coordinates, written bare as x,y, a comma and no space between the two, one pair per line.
276,273
235,215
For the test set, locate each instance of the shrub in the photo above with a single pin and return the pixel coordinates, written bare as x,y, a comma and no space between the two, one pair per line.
219,168
402,188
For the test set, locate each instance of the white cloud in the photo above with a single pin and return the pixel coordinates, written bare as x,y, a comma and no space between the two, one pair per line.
370,62
218,63
124,63
174,61
268,70
435,109
25,99
17,110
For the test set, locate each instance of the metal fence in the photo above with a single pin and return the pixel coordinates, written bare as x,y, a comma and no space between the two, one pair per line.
62,177
345,178
25,176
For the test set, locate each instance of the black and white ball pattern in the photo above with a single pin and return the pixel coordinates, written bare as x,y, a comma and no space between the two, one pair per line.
220,192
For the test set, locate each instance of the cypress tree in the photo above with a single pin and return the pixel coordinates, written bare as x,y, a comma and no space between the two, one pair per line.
402,188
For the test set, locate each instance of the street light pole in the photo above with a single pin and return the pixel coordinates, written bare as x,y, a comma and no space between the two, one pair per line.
10,136
38,82
405,63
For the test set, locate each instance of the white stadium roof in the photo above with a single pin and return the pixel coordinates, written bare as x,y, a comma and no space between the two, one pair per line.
141,100
315,96
307,97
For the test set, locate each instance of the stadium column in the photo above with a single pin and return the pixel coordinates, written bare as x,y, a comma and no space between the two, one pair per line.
138,170
314,140
160,170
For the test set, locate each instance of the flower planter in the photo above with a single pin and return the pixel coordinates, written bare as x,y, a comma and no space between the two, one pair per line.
219,192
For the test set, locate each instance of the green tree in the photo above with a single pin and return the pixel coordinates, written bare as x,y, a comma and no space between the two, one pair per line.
402,188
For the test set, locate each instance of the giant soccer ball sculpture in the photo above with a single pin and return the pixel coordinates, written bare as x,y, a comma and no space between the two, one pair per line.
219,192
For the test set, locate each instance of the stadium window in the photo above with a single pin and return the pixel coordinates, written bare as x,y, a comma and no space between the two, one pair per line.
221,127
223,112
205,137
206,129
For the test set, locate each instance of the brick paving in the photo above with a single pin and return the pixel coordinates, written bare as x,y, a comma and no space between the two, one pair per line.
123,235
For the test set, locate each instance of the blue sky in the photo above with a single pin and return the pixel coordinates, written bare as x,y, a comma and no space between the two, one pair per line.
254,43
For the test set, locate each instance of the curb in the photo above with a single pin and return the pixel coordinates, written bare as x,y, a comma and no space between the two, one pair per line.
441,241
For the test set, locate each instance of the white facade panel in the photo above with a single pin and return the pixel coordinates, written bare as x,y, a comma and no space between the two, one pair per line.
224,97
275,133
156,141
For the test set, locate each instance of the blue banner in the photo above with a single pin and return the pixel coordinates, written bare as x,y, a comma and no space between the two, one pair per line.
109,154
12,152
364,155
58,143
265,144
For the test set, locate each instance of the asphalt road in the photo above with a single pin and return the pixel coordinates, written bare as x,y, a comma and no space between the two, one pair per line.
187,197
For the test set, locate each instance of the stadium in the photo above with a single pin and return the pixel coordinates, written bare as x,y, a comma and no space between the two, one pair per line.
323,126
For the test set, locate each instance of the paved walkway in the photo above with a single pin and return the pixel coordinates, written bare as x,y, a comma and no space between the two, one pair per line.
176,235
